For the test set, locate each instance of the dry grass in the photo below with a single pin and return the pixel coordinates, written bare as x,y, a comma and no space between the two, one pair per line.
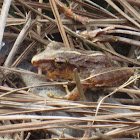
26,115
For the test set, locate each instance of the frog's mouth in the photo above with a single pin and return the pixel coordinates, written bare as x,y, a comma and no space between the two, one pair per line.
43,64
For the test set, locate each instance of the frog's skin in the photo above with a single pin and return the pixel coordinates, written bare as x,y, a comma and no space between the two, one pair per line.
59,63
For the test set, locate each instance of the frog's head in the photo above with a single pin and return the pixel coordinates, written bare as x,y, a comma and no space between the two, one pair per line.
54,61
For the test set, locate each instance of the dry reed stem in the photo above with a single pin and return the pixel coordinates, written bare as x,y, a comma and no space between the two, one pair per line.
3,17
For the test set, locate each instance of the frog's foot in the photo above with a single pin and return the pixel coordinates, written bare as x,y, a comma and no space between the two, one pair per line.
74,94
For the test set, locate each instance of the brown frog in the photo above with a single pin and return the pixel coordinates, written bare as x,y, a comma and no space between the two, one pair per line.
100,71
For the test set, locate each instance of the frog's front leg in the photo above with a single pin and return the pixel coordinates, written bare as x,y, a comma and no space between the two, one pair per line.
73,95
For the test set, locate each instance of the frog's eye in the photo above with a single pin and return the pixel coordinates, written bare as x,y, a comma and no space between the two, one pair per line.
60,63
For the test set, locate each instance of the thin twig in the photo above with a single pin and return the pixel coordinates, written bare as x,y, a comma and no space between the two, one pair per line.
79,86
18,41
59,23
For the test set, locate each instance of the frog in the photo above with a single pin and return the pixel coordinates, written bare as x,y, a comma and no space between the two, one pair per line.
95,68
